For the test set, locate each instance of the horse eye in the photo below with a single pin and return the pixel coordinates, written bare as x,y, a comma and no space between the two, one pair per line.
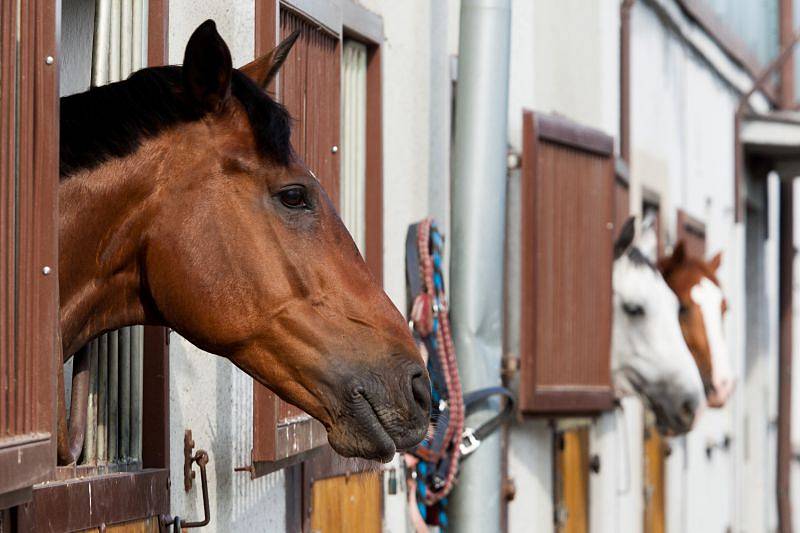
633,309
293,198
683,310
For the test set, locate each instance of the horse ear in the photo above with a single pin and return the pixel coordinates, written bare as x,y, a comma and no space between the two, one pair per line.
625,238
263,70
207,68
677,257
715,261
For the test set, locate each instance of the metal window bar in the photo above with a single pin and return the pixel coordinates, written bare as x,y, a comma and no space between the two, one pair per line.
114,418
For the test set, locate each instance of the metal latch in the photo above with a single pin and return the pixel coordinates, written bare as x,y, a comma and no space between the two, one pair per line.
469,442
200,458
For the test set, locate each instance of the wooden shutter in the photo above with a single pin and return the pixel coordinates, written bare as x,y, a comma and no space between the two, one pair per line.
693,234
308,86
28,245
567,252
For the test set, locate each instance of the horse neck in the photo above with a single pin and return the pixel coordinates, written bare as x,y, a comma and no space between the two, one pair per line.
103,218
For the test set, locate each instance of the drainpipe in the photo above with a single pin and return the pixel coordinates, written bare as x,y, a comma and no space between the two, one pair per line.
478,192
624,81
786,290
785,276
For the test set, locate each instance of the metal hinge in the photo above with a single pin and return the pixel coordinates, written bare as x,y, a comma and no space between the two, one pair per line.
200,458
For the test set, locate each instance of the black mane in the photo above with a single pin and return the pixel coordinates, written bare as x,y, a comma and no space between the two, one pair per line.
639,259
112,120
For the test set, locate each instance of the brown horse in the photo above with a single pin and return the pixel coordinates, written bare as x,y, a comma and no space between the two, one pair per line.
702,308
182,204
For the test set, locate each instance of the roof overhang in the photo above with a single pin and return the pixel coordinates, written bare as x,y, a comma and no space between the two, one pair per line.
774,136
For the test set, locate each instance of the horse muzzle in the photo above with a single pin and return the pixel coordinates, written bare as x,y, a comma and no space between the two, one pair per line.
384,412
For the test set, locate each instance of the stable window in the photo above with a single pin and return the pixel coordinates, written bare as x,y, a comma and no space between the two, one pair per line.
125,453
692,232
566,258
28,247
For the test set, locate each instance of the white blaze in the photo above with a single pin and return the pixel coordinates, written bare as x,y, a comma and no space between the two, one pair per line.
709,298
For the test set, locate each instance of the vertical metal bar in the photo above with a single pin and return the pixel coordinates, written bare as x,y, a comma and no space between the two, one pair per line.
126,39
102,407
785,298
476,265
102,27
114,65
138,31
90,447
124,394
786,29
137,334
113,398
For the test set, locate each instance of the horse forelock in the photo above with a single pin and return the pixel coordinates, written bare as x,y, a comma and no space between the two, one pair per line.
113,120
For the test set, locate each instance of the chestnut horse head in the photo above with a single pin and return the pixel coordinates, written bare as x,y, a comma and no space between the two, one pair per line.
702,309
182,204
648,353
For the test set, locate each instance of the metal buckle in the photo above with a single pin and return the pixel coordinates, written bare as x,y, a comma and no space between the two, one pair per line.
469,442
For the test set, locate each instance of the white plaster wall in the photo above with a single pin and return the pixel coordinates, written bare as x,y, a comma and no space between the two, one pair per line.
615,493
208,394
530,455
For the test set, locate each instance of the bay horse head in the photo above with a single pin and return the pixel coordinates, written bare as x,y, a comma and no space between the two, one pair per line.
183,204
649,356
702,309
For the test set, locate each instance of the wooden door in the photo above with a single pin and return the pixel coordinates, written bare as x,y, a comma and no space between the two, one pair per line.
654,467
347,504
572,481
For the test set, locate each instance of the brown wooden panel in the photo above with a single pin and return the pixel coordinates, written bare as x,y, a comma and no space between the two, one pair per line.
86,503
28,241
572,481
693,234
567,252
654,482
347,504
308,85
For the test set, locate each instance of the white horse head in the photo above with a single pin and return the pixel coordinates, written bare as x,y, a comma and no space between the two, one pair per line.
649,355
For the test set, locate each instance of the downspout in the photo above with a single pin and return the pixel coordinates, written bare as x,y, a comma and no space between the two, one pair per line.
625,81
786,291
478,190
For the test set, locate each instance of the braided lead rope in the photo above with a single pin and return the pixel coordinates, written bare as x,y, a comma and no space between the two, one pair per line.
447,358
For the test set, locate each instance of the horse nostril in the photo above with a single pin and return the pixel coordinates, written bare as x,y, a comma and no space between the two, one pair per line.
421,390
687,408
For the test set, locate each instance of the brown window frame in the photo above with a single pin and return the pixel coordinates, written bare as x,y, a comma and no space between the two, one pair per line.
567,399
692,231
30,333
131,495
